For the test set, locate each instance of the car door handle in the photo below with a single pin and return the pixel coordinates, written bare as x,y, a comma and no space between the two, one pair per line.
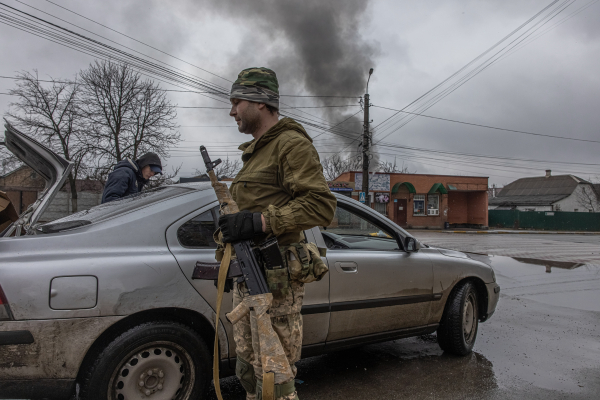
347,267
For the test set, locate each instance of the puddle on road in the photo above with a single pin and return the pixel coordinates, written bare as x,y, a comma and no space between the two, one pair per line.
549,264
556,283
502,262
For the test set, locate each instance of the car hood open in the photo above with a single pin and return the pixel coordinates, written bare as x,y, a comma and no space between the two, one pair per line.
49,165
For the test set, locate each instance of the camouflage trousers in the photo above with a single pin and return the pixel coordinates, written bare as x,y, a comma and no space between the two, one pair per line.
287,327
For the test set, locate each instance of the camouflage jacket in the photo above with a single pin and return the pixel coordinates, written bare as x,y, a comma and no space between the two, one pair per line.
282,177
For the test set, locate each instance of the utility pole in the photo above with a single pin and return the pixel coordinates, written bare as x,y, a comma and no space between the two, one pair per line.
366,145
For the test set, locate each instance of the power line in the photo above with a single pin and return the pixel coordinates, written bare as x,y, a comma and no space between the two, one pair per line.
490,127
476,71
486,156
110,53
481,67
290,108
158,49
129,37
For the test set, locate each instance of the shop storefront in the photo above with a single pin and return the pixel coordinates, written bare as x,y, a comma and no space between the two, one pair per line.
426,201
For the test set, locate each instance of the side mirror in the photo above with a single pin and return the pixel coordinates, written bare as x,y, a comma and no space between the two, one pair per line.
410,244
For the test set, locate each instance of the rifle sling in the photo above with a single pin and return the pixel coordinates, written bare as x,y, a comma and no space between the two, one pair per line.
220,289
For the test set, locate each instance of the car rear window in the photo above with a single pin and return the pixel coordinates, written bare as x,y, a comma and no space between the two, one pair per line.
114,208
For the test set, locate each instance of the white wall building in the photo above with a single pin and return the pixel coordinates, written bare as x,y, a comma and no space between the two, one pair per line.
548,193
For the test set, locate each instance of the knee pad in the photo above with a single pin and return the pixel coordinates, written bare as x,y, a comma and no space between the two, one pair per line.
245,373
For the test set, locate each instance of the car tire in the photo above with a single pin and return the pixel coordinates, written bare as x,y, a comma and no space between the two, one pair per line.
161,356
458,329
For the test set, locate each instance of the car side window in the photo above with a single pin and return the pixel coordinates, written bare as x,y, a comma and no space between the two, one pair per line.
198,232
351,231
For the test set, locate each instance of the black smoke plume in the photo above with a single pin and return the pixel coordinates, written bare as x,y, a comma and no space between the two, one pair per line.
314,46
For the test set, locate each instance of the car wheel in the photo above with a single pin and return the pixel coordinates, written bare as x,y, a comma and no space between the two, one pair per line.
458,328
165,360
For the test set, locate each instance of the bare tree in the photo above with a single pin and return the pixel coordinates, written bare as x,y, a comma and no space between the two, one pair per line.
227,169
8,161
389,168
588,198
51,114
334,166
126,116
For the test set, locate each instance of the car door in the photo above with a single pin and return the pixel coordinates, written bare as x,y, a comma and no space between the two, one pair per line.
190,240
375,286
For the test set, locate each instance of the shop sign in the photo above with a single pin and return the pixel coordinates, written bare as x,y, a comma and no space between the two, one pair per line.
340,186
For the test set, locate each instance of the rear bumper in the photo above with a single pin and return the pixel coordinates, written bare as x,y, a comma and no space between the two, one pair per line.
44,356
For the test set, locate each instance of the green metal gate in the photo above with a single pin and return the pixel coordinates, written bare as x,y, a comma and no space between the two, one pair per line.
544,220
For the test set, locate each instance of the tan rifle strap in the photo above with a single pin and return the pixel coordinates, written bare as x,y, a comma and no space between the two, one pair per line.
268,388
223,269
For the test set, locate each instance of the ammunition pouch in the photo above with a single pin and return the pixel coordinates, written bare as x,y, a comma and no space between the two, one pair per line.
278,281
245,373
283,389
304,262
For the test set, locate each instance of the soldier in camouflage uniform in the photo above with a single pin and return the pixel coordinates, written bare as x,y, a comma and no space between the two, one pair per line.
282,187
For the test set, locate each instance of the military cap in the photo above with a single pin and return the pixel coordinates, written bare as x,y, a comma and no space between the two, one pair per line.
258,85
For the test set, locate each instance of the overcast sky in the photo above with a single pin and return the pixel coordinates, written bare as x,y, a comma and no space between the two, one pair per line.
550,86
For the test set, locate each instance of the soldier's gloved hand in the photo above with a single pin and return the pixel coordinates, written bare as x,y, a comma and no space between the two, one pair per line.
240,226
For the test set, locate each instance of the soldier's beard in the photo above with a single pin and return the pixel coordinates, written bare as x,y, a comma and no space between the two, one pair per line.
249,120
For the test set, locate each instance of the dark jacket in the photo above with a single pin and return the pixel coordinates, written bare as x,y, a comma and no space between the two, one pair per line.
126,179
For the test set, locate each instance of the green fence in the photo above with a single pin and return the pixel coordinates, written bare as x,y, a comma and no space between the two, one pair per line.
540,220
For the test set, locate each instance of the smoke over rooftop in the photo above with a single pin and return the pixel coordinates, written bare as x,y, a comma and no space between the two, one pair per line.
314,46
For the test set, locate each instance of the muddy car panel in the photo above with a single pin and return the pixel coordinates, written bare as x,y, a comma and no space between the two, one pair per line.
141,267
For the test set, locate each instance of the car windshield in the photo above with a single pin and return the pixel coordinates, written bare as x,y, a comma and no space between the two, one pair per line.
114,208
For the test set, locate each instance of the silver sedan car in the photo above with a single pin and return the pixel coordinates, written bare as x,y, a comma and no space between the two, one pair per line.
103,303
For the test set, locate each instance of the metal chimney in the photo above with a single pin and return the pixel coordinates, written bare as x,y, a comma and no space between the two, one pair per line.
548,173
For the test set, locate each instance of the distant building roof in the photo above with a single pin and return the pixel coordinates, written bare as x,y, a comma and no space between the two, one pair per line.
539,191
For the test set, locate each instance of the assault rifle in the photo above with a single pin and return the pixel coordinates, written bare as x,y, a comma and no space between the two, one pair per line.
276,368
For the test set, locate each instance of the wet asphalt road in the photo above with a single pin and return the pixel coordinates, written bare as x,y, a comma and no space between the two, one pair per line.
543,342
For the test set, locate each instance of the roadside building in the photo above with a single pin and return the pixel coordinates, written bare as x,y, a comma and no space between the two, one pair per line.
23,186
341,187
548,193
426,201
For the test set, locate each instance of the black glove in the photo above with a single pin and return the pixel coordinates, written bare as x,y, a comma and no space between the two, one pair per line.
240,226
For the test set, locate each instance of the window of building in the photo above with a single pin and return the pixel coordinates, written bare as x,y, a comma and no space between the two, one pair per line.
198,231
433,204
380,208
419,204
